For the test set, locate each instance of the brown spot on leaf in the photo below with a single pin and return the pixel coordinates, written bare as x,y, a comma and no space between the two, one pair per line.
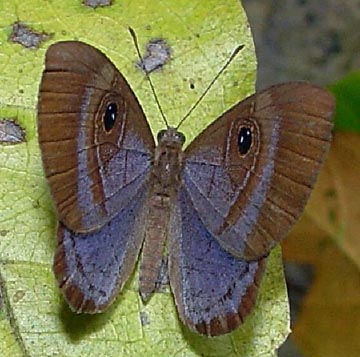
158,53
11,132
26,36
97,3
18,295
144,318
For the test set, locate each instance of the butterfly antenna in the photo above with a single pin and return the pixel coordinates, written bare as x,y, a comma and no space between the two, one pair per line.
133,35
235,52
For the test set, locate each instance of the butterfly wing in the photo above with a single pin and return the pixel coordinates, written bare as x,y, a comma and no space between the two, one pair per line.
95,141
213,290
92,267
250,200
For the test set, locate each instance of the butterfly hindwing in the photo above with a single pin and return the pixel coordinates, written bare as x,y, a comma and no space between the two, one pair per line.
213,290
91,268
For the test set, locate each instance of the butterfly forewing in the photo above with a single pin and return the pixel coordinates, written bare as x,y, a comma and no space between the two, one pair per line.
95,141
249,201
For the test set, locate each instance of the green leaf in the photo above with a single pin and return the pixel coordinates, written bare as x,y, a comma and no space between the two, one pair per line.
8,343
347,94
202,36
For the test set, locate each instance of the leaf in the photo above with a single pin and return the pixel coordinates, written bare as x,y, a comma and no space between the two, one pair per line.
331,312
202,36
335,203
347,93
327,237
328,323
8,343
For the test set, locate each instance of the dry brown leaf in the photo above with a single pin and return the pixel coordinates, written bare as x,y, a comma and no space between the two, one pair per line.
329,322
334,206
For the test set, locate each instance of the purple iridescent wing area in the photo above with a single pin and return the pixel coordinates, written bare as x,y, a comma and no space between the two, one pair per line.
213,290
92,267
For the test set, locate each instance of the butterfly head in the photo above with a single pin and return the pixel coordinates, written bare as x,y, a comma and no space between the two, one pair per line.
170,137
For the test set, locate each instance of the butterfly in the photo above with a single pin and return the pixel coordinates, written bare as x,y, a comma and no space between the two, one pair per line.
214,210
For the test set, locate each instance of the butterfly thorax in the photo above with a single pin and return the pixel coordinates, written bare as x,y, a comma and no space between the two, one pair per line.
167,165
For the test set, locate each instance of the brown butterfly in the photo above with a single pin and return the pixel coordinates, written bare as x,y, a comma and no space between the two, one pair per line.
215,209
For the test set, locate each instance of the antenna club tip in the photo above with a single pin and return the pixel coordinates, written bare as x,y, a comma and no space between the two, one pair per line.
238,49
131,30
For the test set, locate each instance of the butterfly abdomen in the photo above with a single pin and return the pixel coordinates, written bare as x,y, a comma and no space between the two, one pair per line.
166,181
153,250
